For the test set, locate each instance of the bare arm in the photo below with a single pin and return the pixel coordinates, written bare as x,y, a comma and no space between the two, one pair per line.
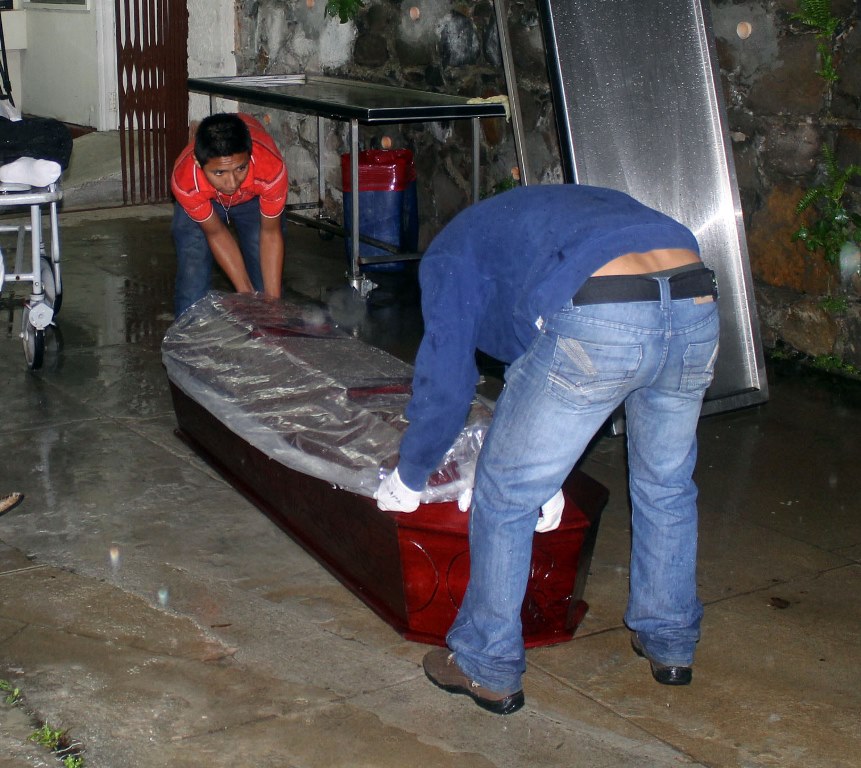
226,252
271,255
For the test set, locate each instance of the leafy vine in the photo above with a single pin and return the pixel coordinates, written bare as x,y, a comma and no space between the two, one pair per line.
345,10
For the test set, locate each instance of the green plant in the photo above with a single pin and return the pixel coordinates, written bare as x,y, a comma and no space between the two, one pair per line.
817,14
52,739
834,304
345,10
834,364
47,737
13,694
834,224
509,182
781,353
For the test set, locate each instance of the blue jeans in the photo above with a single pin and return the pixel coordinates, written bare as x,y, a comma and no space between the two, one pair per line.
194,259
656,357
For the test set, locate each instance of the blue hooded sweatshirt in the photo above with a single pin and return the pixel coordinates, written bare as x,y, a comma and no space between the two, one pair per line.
492,275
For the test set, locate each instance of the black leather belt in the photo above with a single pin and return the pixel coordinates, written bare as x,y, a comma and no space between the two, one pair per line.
613,289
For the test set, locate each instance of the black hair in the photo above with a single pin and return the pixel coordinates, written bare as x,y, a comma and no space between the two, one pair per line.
221,135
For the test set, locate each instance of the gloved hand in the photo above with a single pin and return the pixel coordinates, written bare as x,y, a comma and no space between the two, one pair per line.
551,514
464,500
394,496
548,519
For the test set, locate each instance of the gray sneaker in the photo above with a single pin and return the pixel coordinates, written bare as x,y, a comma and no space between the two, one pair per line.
442,670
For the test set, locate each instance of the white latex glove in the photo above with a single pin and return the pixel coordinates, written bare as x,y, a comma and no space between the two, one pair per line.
464,500
394,496
551,513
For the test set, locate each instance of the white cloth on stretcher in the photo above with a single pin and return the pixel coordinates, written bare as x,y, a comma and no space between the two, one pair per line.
30,170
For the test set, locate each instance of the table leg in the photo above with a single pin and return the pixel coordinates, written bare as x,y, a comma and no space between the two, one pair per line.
475,148
360,283
321,185
354,189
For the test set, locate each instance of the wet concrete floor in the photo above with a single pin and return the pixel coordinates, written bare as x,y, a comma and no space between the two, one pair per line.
159,619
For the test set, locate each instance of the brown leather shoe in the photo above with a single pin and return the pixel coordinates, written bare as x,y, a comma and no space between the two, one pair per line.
442,670
10,501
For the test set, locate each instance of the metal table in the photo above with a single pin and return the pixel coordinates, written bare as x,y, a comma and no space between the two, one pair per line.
356,102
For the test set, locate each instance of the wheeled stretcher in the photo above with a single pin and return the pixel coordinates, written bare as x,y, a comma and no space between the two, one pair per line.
41,269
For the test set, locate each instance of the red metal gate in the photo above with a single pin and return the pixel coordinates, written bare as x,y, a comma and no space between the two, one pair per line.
152,70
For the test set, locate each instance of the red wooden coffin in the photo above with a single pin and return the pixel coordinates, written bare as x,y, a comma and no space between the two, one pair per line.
411,569
304,419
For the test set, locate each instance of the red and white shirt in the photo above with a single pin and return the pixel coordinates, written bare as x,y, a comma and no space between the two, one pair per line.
267,178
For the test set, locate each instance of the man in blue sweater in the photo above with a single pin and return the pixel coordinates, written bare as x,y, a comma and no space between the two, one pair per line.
593,300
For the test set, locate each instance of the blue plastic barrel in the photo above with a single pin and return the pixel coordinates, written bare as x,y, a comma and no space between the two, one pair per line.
388,206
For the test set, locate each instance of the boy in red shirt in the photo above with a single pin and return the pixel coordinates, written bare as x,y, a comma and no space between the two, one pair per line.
232,173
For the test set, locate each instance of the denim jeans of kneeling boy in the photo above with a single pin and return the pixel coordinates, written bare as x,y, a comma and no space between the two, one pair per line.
194,259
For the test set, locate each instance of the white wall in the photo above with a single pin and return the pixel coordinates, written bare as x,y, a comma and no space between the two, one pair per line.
60,66
15,38
68,69
211,36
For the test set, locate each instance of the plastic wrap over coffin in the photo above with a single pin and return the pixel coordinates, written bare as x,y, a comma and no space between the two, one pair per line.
284,378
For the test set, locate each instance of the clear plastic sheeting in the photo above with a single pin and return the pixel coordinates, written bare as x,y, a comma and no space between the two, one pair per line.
284,378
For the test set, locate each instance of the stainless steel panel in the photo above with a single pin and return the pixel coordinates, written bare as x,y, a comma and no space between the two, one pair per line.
637,96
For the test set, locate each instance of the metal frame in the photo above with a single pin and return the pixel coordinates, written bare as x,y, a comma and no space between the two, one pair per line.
44,300
358,104
511,86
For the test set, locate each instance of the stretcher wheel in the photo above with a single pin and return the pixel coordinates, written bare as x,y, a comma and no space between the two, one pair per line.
34,342
49,285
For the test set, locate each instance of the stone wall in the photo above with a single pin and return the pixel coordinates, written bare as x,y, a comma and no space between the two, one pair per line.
780,113
432,45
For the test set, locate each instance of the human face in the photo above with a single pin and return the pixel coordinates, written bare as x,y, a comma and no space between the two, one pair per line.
227,173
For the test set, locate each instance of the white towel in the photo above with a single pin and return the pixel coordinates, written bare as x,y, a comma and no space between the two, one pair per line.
30,170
